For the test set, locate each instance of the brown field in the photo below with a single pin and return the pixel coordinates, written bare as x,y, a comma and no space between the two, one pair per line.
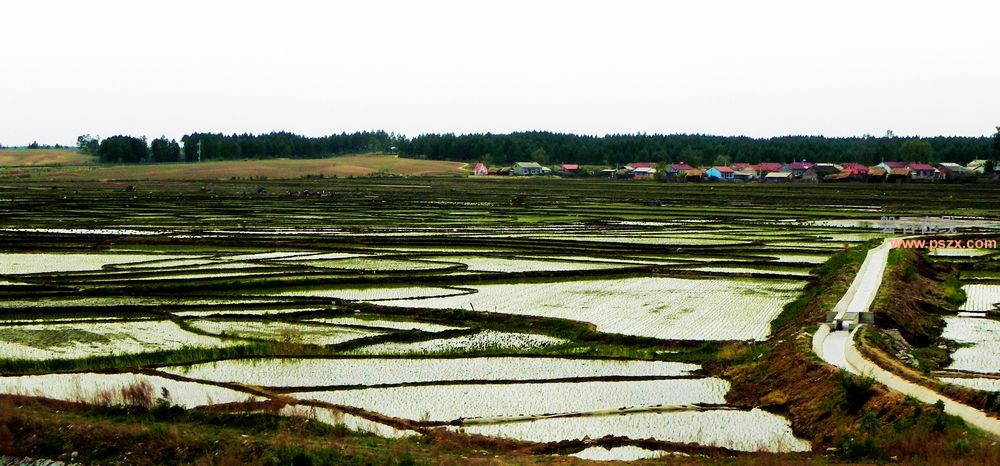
39,157
348,165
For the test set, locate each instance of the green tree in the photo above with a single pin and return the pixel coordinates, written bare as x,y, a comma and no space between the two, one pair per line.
722,160
996,143
691,156
540,156
888,148
163,150
123,149
916,150
87,144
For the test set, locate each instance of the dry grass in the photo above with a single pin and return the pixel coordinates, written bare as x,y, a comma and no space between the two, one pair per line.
41,157
342,166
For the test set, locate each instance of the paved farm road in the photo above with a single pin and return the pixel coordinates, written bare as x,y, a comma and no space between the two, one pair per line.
838,348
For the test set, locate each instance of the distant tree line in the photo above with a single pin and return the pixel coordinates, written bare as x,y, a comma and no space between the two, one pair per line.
696,149
283,144
36,145
213,146
547,147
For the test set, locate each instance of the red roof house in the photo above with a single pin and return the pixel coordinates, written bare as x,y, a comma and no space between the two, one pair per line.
921,171
764,168
855,168
889,166
795,166
480,170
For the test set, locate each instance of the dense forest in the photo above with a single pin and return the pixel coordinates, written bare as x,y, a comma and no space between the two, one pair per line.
547,147
209,146
694,149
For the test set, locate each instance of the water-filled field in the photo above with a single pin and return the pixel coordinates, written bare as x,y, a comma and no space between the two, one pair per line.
394,307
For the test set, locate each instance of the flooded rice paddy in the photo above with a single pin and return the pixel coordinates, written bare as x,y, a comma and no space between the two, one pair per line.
392,316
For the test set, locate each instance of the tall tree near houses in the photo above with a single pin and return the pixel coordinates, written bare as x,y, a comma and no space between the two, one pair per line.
996,144
916,150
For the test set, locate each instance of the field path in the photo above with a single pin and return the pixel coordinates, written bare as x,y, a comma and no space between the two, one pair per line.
837,347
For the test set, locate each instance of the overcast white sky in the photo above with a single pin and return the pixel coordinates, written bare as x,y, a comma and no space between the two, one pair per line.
757,68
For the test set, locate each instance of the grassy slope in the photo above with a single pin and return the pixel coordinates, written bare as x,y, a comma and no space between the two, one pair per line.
39,157
349,165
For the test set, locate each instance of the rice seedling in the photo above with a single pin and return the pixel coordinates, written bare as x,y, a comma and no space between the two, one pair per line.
384,323
657,307
980,297
282,331
754,431
984,384
37,263
445,403
349,421
84,339
372,293
120,389
503,264
314,372
623,453
983,338
483,341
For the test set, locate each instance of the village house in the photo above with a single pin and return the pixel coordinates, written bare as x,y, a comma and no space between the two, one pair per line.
678,167
738,166
673,171
898,175
811,176
528,168
764,168
952,171
642,173
778,177
826,169
480,170
921,171
977,166
720,173
855,169
848,172
746,174
876,174
694,174
841,176
636,165
797,169
890,166
569,169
